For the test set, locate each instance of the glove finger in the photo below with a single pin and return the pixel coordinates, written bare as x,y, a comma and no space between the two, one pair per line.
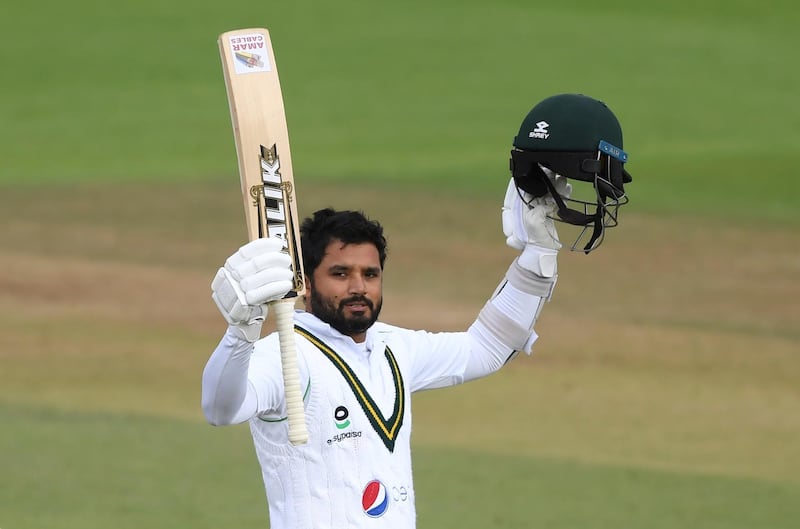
515,243
534,222
519,210
272,260
545,204
562,186
223,293
511,195
511,229
567,190
225,282
517,204
264,277
246,268
253,249
230,299
269,292
507,216
260,246
541,229
246,314
560,183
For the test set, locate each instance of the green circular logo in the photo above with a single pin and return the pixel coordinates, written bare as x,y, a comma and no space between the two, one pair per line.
340,415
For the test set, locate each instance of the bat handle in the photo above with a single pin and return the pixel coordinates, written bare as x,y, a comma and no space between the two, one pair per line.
284,320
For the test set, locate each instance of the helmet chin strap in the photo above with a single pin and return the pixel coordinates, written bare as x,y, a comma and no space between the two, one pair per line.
571,216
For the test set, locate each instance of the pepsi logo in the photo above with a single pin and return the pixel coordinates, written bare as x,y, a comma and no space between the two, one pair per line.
374,499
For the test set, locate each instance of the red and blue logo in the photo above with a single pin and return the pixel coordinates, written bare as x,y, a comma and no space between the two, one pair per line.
375,499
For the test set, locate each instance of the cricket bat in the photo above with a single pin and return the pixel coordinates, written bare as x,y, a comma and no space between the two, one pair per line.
265,172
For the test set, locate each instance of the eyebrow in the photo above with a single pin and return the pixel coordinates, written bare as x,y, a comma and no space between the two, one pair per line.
347,268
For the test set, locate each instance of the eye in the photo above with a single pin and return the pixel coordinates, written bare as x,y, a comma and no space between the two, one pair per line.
338,272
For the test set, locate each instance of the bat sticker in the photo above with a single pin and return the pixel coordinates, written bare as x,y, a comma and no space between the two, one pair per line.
250,53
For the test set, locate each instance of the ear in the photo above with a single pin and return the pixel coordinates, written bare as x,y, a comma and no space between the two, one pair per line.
307,296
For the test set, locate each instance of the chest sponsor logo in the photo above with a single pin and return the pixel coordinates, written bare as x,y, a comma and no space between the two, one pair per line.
375,499
339,437
340,415
341,420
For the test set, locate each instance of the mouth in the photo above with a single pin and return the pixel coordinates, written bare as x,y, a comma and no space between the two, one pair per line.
357,305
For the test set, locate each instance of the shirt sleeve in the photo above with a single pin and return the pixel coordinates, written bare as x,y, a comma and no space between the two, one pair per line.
265,377
504,327
227,396
242,380
449,358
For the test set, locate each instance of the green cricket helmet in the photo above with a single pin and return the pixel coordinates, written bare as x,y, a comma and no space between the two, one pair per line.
580,138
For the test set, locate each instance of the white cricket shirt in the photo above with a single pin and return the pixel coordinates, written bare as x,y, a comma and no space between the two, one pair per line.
355,471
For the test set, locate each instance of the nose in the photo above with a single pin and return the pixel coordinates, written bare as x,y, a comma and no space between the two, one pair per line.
357,284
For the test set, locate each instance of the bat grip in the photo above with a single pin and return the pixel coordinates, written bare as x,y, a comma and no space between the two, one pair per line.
284,320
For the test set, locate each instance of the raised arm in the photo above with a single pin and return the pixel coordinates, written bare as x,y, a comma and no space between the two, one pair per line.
257,273
505,324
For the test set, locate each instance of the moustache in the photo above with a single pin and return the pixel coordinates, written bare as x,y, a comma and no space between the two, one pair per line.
356,299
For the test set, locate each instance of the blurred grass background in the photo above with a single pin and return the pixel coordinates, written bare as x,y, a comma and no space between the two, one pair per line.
416,93
664,390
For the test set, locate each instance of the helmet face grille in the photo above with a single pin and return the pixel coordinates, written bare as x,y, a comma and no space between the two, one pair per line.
604,211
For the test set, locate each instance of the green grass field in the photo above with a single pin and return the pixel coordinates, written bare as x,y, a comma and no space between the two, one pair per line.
664,389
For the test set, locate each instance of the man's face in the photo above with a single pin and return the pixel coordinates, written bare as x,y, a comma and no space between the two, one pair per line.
346,289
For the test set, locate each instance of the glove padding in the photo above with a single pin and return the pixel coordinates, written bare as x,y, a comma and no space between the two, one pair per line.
257,273
528,225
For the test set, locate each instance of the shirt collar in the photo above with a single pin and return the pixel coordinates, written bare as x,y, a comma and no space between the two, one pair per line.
331,336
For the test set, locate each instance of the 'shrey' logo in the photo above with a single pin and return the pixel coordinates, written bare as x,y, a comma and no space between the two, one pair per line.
540,132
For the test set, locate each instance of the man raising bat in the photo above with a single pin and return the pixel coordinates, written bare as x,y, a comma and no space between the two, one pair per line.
357,373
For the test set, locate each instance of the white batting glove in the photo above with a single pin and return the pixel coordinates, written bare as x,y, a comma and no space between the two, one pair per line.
528,225
259,272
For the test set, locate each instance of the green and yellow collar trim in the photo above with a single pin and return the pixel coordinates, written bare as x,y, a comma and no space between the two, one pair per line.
387,429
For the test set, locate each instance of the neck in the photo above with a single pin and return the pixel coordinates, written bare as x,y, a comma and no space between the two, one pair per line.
358,337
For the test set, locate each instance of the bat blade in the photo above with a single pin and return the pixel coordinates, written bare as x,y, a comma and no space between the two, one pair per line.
267,181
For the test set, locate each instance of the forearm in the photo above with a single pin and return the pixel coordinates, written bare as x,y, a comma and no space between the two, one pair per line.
227,396
505,325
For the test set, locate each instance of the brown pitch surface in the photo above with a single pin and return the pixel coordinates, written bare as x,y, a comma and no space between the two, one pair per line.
676,345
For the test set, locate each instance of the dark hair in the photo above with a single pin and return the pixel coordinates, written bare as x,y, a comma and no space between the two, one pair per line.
350,227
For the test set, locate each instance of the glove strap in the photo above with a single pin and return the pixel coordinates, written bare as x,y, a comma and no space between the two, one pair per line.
539,260
528,282
250,333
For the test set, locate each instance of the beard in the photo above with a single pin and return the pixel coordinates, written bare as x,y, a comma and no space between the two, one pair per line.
335,316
